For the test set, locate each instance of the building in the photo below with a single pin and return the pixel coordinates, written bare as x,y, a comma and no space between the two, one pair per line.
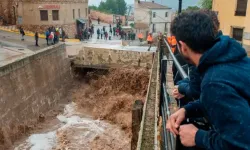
6,11
234,16
71,15
152,17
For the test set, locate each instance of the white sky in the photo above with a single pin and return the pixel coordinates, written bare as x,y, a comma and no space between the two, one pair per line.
170,3
97,2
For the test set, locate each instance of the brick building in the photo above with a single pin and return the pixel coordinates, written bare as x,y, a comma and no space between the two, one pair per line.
38,15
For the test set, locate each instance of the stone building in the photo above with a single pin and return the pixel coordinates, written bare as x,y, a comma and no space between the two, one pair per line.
234,19
152,17
37,15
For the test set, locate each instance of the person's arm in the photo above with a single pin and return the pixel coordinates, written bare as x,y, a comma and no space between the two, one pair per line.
183,86
194,109
229,114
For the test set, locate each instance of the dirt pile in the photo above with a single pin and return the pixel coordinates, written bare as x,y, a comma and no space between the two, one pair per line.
110,96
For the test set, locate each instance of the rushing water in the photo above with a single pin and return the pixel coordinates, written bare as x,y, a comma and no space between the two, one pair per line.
76,131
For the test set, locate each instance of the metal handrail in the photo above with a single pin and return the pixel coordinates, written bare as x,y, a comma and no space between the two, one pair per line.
177,64
169,140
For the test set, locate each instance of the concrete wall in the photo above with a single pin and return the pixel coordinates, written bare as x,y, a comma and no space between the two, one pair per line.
30,87
106,58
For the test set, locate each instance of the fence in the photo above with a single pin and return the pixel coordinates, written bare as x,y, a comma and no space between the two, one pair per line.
169,142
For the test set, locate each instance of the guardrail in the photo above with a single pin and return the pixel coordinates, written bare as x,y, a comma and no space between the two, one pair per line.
169,142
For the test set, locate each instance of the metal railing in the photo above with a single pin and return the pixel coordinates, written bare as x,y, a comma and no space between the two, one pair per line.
169,142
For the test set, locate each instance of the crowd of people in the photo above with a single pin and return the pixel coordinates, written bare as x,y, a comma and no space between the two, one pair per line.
86,33
52,35
217,88
117,31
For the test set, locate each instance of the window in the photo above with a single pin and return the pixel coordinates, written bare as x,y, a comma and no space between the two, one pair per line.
154,14
44,15
73,13
55,14
166,27
79,13
166,14
153,30
241,8
238,34
87,12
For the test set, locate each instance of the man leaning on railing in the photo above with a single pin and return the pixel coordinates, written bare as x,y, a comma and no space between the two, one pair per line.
224,99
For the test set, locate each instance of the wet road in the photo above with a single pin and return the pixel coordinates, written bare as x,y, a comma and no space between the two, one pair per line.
28,43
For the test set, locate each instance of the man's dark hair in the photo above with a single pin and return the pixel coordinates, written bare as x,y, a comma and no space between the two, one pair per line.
214,17
196,29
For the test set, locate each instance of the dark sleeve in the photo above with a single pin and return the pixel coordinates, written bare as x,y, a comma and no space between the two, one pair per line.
182,86
191,88
229,114
194,109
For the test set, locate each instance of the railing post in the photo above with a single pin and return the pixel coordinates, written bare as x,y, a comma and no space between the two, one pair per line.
136,122
164,69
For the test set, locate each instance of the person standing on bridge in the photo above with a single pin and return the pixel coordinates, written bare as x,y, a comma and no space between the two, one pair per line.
114,30
22,33
150,40
140,36
98,33
47,37
98,20
36,38
188,89
224,100
102,33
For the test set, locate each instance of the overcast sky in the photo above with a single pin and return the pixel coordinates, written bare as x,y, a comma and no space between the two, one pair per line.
169,3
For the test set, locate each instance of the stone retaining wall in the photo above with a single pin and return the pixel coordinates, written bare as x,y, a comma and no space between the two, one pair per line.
112,58
29,87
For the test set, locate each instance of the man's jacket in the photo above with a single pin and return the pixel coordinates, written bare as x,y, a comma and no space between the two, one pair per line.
225,97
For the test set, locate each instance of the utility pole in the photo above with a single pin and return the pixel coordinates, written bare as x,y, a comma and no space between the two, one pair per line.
127,17
180,6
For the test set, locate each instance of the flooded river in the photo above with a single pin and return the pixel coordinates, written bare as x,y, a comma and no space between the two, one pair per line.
75,131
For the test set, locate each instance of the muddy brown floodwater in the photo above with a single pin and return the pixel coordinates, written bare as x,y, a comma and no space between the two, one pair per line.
100,116
110,96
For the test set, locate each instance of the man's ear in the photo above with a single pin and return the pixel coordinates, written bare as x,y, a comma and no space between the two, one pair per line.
184,46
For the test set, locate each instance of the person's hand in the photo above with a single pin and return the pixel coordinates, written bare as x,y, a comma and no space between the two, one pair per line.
187,134
176,93
175,120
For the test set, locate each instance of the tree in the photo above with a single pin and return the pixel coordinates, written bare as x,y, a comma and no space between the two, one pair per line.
93,7
190,8
112,6
121,7
206,4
